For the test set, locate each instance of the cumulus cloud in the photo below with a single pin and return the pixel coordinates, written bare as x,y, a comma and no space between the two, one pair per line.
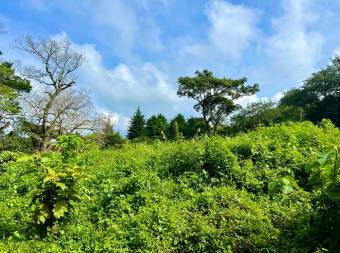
115,24
232,27
230,31
295,47
126,30
118,17
247,100
124,85
143,83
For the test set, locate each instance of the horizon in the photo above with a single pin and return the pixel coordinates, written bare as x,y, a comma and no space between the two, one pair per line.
136,50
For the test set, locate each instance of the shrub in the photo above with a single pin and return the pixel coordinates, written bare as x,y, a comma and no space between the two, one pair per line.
182,157
272,190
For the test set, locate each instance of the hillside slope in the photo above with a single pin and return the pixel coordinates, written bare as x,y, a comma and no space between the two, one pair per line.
271,190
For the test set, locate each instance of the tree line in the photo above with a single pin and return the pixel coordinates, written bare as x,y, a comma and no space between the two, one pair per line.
31,120
316,99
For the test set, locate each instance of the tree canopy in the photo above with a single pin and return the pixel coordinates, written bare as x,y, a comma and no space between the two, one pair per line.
216,97
11,86
156,127
319,96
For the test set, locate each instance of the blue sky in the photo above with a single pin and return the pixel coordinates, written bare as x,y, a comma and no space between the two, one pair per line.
136,49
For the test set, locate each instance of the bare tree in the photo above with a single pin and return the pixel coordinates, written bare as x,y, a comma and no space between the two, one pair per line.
71,112
58,63
74,112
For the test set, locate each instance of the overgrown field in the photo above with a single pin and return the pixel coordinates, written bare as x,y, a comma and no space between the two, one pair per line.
272,190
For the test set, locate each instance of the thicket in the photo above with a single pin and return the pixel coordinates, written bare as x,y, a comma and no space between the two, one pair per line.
276,189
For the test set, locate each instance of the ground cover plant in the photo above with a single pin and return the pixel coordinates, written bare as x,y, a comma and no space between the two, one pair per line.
276,189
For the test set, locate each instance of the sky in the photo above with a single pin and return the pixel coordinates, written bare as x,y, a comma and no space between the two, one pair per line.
137,49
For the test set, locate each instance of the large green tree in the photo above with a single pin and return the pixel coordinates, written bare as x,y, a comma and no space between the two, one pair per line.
215,97
137,125
156,127
11,86
319,96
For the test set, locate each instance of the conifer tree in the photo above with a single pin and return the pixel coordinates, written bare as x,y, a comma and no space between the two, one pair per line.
137,125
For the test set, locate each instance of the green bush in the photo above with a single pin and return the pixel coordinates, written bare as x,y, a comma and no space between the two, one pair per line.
271,190
182,157
219,161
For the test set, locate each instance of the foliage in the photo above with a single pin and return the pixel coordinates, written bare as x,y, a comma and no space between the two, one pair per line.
269,190
108,138
56,194
195,127
265,114
137,125
11,85
215,96
320,94
15,141
156,127
176,127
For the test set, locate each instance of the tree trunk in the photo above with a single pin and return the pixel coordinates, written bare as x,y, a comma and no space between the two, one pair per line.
215,127
206,122
45,128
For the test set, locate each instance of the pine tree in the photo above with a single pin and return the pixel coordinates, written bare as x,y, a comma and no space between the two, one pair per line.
137,125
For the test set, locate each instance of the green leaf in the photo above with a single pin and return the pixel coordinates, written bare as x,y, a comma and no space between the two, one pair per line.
42,213
61,185
16,234
287,186
45,159
326,158
60,208
273,187
50,177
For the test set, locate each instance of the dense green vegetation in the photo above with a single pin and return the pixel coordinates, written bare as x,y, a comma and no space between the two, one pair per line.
231,180
276,189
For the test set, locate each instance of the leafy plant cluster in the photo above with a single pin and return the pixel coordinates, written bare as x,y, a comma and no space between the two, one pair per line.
275,189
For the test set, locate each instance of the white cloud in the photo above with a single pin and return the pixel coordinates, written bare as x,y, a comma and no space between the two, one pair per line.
247,100
277,96
127,85
231,30
143,83
294,49
125,29
232,27
119,17
123,85
129,34
114,23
